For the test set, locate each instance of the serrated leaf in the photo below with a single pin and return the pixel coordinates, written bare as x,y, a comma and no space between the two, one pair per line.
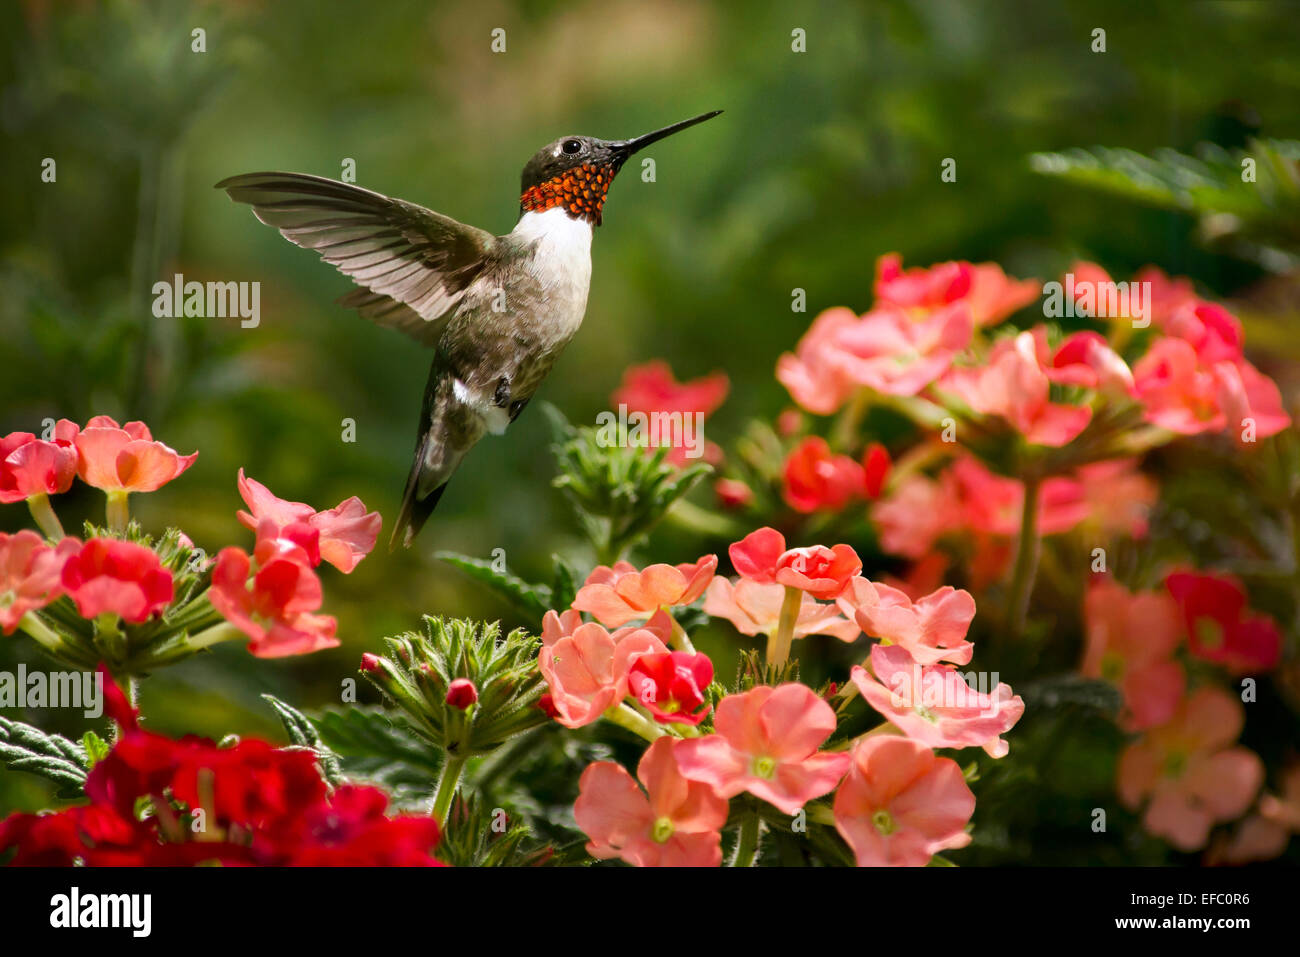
533,600
52,756
303,734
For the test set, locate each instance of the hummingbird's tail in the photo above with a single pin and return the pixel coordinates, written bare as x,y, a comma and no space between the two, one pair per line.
448,429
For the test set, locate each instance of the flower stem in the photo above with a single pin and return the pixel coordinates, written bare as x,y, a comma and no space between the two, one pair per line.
844,433
680,638
1026,568
448,781
43,633
778,644
117,511
638,724
224,631
43,513
747,843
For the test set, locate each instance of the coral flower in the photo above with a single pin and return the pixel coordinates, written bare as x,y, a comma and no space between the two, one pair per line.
1120,497
675,823
1013,384
1176,392
816,479
30,466
1086,359
31,574
275,609
766,743
987,291
876,465
1220,627
932,628
652,389
995,504
621,594
822,572
917,512
1192,775
107,575
347,531
672,685
756,610
934,704
126,458
1131,639
587,671
891,353
812,374
901,804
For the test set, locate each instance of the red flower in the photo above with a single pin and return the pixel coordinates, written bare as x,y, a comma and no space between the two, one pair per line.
126,458
275,608
822,572
876,466
984,287
31,466
344,534
672,685
350,830
733,493
1220,628
107,575
461,693
816,479
651,387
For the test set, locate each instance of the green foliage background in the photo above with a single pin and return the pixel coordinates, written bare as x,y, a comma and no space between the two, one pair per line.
822,162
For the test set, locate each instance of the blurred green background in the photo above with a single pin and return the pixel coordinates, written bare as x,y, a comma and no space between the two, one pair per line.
822,161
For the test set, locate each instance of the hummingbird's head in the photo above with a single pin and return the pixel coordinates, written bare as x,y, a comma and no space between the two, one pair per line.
574,172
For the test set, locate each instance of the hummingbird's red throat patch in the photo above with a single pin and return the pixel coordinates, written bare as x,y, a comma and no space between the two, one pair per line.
580,191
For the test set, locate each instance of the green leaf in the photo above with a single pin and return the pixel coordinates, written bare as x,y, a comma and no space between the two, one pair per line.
303,734
533,600
96,748
52,756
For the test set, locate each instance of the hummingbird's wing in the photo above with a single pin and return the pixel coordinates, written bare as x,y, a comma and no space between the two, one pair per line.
413,264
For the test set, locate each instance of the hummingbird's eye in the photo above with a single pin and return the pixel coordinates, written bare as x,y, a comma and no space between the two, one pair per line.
572,146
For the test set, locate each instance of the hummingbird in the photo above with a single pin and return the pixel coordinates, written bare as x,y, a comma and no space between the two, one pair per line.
497,310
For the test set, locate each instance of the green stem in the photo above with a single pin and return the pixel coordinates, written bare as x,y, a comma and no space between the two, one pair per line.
47,637
844,433
778,644
680,639
448,781
747,844
116,511
43,513
638,724
691,517
1026,568
224,631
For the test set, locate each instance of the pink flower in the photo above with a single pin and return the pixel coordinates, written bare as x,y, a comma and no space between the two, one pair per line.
1014,385
1220,628
988,292
1190,773
766,743
1120,497
1211,330
816,479
587,671
347,532
889,352
822,572
561,624
621,594
106,575
651,388
1086,359
676,823
916,513
995,504
672,685
812,375
1131,639
1176,393
275,608
934,705
901,804
756,610
931,629
126,458
1250,400
31,574
733,493
31,466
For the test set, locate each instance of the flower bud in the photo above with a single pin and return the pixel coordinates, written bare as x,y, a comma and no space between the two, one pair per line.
462,693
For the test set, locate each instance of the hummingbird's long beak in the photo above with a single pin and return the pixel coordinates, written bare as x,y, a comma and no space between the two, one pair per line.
628,147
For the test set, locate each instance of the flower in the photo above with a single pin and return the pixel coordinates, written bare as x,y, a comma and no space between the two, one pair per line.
1013,384
587,671
559,624
621,594
126,458
766,743
934,705
900,804
1120,497
822,572
651,388
675,823
275,608
1086,359
917,512
986,290
347,531
462,694
671,685
876,466
1189,771
1219,626
733,493
889,352
31,574
932,628
811,374
755,609
126,579
1131,639
816,479
995,504
31,466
